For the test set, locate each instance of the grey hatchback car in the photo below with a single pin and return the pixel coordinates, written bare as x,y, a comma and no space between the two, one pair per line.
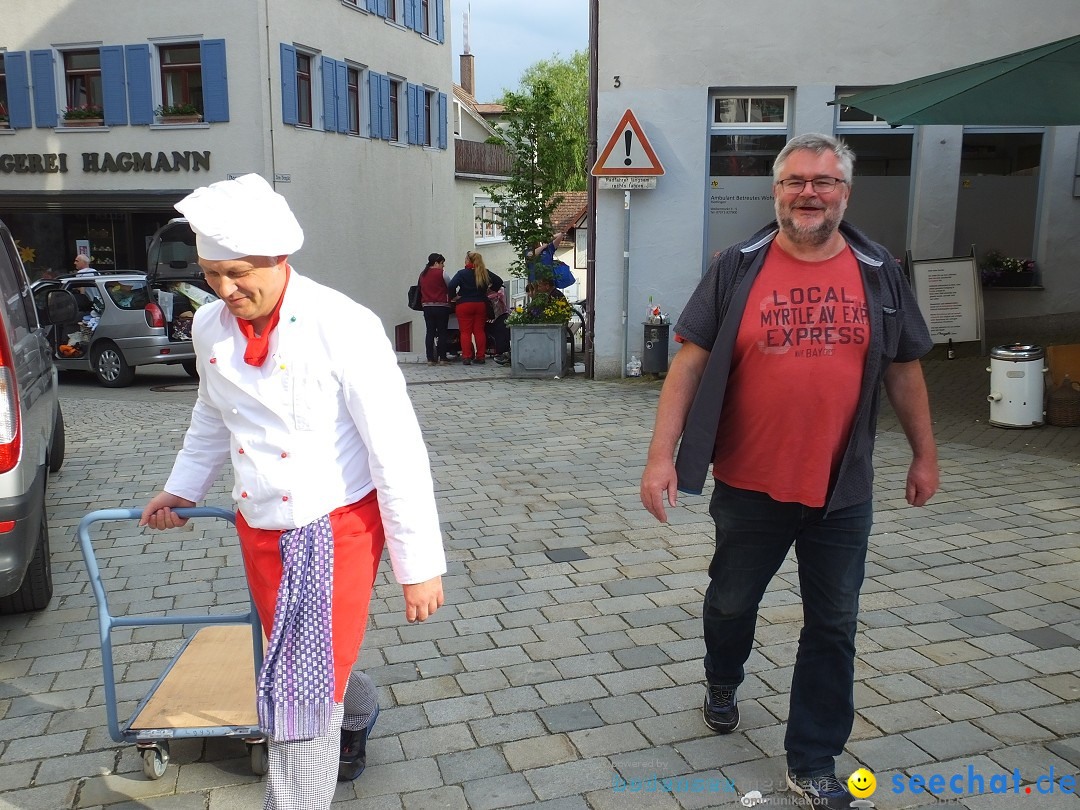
124,320
31,432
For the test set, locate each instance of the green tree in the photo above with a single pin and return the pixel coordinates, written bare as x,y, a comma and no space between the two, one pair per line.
545,131
568,114
528,198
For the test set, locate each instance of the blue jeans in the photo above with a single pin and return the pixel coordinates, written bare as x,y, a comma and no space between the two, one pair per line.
753,535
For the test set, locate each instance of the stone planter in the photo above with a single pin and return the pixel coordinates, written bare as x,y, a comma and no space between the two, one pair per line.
538,350
84,122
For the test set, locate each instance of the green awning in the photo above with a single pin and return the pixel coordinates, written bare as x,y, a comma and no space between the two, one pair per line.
1036,87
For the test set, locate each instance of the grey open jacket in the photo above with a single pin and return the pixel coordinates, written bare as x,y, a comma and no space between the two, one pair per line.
897,333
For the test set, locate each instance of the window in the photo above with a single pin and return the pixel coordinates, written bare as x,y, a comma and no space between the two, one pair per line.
303,89
746,134
392,10
425,21
353,89
750,111
128,294
82,78
181,75
428,96
395,129
487,221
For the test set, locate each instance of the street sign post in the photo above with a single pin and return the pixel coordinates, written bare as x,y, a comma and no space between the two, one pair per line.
627,163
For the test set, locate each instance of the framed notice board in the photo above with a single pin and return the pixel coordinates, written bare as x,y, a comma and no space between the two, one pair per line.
949,293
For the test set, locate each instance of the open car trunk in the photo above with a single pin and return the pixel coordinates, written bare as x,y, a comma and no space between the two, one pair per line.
176,278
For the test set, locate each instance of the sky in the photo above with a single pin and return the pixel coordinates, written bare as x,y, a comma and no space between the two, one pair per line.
507,36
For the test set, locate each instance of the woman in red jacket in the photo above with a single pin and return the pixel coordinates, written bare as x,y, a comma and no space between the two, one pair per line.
436,303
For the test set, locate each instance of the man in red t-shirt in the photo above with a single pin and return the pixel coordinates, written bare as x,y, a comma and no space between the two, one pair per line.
784,345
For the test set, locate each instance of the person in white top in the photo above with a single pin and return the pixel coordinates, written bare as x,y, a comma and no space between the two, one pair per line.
329,464
82,266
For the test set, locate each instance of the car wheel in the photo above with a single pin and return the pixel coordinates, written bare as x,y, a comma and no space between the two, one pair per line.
59,444
191,369
37,586
110,367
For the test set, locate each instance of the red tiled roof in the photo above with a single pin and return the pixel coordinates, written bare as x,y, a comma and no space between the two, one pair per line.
569,210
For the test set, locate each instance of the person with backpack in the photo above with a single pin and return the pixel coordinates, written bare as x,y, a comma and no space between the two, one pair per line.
435,301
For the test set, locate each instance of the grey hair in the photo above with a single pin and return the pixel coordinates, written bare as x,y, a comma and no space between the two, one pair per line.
819,144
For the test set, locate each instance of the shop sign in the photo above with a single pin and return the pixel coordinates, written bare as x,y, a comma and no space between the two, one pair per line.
98,162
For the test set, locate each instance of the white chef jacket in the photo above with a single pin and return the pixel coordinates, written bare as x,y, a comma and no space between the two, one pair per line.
323,421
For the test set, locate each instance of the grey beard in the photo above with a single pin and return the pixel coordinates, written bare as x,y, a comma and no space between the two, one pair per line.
812,237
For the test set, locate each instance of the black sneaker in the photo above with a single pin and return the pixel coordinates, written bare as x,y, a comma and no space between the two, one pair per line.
467,361
822,791
353,758
721,709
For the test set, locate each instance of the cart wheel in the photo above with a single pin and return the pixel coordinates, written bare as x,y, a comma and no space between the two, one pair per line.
155,760
260,758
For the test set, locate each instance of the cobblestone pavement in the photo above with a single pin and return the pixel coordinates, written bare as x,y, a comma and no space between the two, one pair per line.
564,670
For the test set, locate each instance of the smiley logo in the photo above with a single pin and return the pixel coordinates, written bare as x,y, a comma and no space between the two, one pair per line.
862,783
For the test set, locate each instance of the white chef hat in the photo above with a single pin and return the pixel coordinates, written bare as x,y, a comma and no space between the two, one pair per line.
242,217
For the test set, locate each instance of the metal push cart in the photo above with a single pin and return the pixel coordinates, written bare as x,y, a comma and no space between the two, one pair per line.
207,690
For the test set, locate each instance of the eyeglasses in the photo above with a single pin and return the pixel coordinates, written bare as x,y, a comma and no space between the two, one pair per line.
822,185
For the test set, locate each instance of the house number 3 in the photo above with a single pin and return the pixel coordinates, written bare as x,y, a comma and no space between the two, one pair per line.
617,82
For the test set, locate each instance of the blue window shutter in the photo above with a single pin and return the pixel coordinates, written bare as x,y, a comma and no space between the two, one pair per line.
383,8
41,69
440,25
410,16
113,85
374,116
384,107
329,94
373,6
215,80
140,97
18,89
342,87
288,84
442,120
418,15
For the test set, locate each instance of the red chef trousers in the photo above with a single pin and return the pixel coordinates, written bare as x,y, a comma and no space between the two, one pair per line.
358,545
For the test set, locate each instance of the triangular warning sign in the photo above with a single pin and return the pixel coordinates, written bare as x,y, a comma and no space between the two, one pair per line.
628,153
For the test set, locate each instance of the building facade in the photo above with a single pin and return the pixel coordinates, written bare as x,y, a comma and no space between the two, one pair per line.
719,87
343,104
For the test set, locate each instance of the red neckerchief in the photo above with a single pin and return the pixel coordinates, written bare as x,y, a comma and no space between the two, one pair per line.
258,346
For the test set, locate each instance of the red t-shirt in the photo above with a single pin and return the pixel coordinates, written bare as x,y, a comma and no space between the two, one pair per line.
795,376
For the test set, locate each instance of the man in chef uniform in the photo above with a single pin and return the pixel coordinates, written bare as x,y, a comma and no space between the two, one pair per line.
299,388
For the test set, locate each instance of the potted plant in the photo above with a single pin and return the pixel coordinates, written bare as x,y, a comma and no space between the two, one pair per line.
999,270
182,113
85,115
539,336
4,122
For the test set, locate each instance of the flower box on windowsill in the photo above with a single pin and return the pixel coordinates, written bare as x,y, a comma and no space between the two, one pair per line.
1023,278
181,119
84,122
5,124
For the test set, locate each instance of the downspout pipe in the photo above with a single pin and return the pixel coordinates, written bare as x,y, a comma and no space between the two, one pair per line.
590,241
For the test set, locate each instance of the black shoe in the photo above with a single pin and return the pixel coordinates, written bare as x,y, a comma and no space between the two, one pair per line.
721,709
467,361
353,758
481,361
822,791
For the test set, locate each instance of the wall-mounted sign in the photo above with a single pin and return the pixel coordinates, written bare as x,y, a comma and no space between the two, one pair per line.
628,152
106,162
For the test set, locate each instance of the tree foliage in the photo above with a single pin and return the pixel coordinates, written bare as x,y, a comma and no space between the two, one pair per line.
545,131
569,114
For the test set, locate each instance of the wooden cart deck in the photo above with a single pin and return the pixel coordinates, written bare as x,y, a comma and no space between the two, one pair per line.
211,684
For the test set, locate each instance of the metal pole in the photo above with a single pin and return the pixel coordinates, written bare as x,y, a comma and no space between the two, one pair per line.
626,284
590,242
